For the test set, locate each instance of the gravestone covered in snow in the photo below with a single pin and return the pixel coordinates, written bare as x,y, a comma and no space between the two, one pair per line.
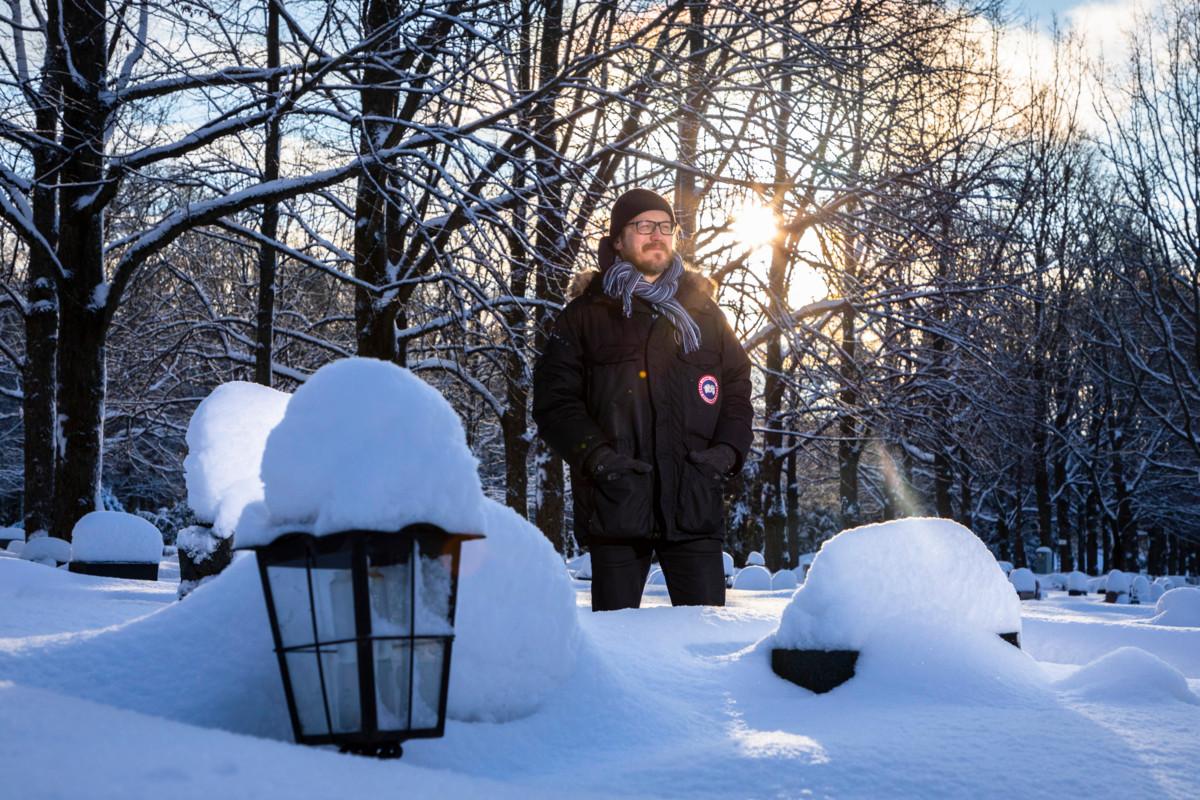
1006,566
1178,608
114,544
1025,583
367,445
11,535
1139,590
1077,584
784,579
755,559
1116,587
929,577
48,550
754,577
225,438
656,578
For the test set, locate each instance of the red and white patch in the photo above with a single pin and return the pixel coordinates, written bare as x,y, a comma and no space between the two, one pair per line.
708,388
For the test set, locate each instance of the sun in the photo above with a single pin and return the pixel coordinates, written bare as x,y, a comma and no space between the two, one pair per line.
754,226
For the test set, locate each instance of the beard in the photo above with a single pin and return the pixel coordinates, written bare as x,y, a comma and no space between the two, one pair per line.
652,259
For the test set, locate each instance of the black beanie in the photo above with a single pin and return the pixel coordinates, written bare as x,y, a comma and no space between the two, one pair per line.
628,206
632,203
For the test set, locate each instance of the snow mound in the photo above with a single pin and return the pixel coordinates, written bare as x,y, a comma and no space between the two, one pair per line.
930,570
1117,582
11,535
1077,582
727,561
753,577
47,550
1128,675
16,546
755,559
1023,580
1139,589
581,567
517,629
225,439
365,444
1006,566
1178,608
114,536
784,579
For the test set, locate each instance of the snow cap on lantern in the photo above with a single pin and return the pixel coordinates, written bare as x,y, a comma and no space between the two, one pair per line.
366,445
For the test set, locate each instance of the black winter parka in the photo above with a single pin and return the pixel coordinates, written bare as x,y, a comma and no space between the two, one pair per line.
624,381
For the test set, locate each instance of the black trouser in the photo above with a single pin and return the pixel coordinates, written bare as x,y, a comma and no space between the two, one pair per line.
694,570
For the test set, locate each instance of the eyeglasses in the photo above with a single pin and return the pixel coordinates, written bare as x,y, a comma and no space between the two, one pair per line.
646,227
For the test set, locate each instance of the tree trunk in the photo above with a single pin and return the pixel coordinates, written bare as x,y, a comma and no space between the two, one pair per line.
374,314
686,199
83,294
793,513
39,376
550,246
264,332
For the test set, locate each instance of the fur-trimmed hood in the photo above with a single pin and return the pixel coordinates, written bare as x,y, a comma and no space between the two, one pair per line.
691,279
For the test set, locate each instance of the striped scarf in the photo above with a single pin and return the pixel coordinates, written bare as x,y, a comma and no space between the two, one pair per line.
624,281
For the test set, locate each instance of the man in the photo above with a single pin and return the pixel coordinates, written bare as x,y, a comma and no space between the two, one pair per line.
645,392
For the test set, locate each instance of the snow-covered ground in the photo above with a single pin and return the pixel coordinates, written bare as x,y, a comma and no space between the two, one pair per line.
111,688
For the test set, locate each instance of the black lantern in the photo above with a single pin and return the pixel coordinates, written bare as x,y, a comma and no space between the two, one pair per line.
363,624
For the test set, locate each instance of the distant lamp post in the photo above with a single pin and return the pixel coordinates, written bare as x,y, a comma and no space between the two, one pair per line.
363,623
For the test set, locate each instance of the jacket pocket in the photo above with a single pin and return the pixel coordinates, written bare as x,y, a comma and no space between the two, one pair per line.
700,510
622,506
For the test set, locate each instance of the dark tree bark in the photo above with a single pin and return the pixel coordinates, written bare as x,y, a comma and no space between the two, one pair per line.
264,333
374,314
82,292
550,246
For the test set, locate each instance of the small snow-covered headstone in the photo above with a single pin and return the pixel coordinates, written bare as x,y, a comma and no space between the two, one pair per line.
657,578
1157,590
47,550
755,559
1006,566
753,578
1025,583
927,575
583,567
1116,587
1077,584
114,544
727,562
15,546
11,535
1139,590
784,579
1179,608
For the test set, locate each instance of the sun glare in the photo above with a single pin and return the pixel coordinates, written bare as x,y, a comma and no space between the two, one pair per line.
754,226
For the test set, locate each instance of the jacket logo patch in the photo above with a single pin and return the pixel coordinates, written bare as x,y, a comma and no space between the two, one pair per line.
708,388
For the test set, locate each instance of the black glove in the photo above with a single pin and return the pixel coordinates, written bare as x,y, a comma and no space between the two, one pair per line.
716,461
606,464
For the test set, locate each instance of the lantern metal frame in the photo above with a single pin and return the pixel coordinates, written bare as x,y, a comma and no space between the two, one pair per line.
290,550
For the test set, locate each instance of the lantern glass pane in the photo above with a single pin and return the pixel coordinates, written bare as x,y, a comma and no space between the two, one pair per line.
339,668
331,605
389,582
392,666
392,678
433,596
427,682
